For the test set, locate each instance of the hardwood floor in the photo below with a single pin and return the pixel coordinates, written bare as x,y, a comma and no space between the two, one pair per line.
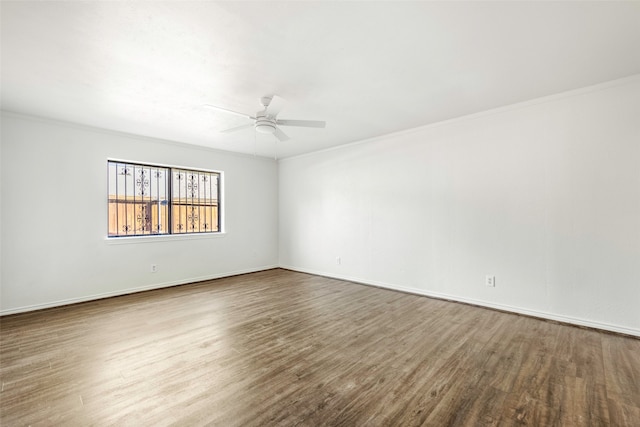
286,348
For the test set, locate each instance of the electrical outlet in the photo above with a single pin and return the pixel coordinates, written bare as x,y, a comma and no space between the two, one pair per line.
154,268
338,260
490,281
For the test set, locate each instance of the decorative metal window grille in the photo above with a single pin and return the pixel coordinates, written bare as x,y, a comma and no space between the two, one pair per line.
152,200
194,207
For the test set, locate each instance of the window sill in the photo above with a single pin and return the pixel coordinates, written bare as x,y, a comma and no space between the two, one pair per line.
163,238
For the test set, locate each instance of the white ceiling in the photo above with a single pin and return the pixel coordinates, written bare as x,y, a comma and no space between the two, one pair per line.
367,68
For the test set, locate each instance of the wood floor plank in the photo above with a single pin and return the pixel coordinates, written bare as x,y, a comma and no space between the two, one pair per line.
283,348
622,369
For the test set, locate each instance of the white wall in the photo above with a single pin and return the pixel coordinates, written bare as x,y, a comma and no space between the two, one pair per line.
54,216
545,195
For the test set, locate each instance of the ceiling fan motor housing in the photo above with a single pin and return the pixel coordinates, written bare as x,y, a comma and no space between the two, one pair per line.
265,124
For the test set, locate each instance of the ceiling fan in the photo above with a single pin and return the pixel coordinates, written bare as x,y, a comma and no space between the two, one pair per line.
266,121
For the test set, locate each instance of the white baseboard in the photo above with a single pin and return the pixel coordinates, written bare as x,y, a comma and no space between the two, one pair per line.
131,290
503,307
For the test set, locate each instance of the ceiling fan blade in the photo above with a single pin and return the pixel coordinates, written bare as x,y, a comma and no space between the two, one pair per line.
302,123
281,135
229,111
237,128
275,105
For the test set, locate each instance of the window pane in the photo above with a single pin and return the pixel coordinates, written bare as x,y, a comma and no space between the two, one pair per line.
194,201
135,203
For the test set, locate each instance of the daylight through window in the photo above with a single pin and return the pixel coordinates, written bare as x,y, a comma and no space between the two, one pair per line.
153,200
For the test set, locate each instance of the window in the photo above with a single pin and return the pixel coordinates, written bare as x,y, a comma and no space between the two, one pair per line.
155,200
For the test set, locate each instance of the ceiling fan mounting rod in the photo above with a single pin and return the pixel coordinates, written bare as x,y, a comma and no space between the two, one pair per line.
265,101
